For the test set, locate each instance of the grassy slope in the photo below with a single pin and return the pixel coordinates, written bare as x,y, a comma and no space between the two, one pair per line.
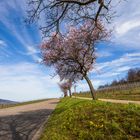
19,104
132,94
76,119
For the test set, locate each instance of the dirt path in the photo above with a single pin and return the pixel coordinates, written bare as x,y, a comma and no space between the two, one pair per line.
25,122
112,100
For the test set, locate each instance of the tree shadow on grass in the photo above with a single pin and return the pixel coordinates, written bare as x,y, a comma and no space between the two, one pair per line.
22,126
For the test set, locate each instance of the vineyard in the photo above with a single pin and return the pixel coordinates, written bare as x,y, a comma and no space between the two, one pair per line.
127,86
130,91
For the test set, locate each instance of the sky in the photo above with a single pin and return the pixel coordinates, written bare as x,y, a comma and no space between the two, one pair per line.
23,78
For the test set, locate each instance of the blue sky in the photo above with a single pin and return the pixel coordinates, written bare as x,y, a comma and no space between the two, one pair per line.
23,78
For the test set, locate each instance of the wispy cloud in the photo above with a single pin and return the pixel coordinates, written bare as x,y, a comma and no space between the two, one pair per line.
16,26
129,59
127,25
22,80
26,81
3,50
2,43
83,86
110,70
104,53
32,50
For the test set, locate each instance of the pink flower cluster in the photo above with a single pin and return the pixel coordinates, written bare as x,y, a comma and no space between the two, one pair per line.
73,55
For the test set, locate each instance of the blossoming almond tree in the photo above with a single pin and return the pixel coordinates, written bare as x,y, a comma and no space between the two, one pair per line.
73,55
69,85
66,86
63,88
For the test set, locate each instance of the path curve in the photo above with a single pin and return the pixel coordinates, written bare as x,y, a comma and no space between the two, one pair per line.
111,100
24,122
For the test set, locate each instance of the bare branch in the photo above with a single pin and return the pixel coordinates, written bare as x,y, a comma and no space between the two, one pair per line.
54,13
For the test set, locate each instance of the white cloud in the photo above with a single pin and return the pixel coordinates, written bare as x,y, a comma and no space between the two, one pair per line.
2,43
104,54
122,69
3,50
18,29
26,81
83,85
127,26
32,50
107,71
133,54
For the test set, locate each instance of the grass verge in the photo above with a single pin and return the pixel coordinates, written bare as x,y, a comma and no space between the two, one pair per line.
76,119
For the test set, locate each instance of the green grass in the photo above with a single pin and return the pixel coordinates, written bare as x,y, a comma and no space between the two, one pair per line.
76,119
22,103
131,94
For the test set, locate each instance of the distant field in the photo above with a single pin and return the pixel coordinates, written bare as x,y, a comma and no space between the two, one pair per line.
131,94
23,103
76,119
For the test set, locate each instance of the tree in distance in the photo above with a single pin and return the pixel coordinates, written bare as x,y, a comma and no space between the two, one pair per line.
66,86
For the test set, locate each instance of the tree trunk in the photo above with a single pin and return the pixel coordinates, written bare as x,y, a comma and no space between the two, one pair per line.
91,87
70,92
65,94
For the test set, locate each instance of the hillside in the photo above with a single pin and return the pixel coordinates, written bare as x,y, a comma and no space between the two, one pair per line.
120,94
76,119
2,101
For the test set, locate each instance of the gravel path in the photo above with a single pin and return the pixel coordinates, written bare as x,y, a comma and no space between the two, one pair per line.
25,122
112,100
120,101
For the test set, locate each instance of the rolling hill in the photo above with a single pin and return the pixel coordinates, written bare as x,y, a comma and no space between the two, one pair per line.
2,101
